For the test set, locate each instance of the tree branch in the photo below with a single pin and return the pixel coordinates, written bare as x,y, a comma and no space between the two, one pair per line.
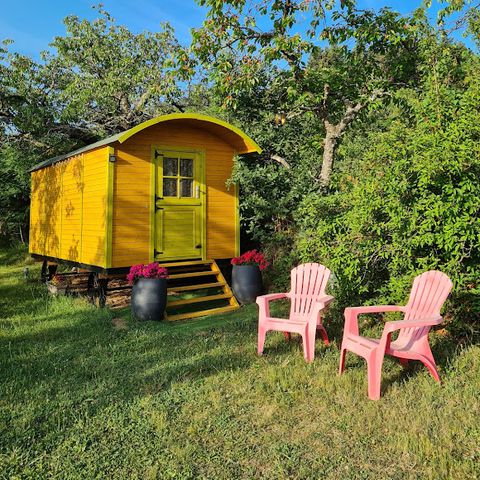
281,160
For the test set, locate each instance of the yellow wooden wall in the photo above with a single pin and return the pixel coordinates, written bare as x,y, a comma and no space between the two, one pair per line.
68,209
133,195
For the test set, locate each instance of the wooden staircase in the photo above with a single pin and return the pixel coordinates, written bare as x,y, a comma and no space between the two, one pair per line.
197,288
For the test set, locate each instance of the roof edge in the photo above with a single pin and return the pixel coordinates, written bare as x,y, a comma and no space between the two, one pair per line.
123,136
253,146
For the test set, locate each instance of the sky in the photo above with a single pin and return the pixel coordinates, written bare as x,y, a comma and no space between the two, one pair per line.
32,24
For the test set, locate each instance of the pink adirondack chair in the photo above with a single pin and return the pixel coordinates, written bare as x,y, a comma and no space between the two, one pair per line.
307,301
429,292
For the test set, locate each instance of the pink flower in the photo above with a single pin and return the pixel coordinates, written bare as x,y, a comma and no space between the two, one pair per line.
152,270
252,257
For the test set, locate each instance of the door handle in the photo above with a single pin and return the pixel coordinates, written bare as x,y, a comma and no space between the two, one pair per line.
197,192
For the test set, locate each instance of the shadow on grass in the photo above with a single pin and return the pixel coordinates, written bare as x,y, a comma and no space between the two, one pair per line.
15,255
21,298
77,356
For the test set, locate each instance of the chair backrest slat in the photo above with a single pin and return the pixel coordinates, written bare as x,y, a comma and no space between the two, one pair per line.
429,292
308,283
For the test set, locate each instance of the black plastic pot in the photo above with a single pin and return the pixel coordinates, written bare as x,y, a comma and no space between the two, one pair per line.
246,283
149,298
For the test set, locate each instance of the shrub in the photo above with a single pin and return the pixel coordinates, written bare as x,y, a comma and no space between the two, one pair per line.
412,202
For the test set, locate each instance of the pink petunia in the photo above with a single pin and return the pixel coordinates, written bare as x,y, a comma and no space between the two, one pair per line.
152,270
252,257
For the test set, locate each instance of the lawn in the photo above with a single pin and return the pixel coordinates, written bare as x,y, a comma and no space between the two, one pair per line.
89,393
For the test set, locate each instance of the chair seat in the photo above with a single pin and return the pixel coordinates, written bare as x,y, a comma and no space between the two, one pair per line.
360,345
364,345
290,321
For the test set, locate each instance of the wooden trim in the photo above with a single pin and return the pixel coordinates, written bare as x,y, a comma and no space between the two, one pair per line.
62,173
93,268
203,194
208,298
206,273
237,220
109,209
232,300
252,146
187,263
153,192
202,313
197,286
86,266
82,183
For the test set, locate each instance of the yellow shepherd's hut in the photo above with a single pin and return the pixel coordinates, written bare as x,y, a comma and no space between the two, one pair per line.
156,192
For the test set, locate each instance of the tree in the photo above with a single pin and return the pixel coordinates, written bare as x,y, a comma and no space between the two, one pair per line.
99,79
331,69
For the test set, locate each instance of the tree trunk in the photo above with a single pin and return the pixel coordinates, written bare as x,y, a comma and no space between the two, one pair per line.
329,147
333,132
21,234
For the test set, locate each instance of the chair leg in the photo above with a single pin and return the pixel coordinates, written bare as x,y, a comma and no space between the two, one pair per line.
261,339
432,368
428,360
306,347
343,353
404,362
323,334
374,367
311,344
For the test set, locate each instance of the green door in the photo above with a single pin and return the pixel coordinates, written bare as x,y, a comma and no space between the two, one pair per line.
179,205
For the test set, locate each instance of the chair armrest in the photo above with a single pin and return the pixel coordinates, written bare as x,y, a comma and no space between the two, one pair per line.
263,301
271,296
352,313
320,304
390,327
426,322
376,309
325,300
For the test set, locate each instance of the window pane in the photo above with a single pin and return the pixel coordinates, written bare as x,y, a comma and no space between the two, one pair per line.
186,167
186,188
169,187
170,167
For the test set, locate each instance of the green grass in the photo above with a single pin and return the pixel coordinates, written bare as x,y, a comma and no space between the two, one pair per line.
82,398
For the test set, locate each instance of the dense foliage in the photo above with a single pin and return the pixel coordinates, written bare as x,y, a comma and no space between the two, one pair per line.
333,67
411,202
403,197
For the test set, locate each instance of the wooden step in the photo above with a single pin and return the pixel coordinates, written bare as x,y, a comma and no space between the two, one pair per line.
186,263
191,275
208,298
200,286
202,313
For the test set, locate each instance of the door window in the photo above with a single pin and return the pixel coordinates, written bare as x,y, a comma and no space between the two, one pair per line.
178,177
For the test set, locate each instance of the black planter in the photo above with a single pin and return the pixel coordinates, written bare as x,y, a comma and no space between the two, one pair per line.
149,298
246,283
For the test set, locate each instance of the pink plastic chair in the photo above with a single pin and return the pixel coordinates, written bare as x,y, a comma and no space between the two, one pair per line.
429,292
307,302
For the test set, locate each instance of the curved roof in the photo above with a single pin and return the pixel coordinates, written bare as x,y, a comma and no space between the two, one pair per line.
240,141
